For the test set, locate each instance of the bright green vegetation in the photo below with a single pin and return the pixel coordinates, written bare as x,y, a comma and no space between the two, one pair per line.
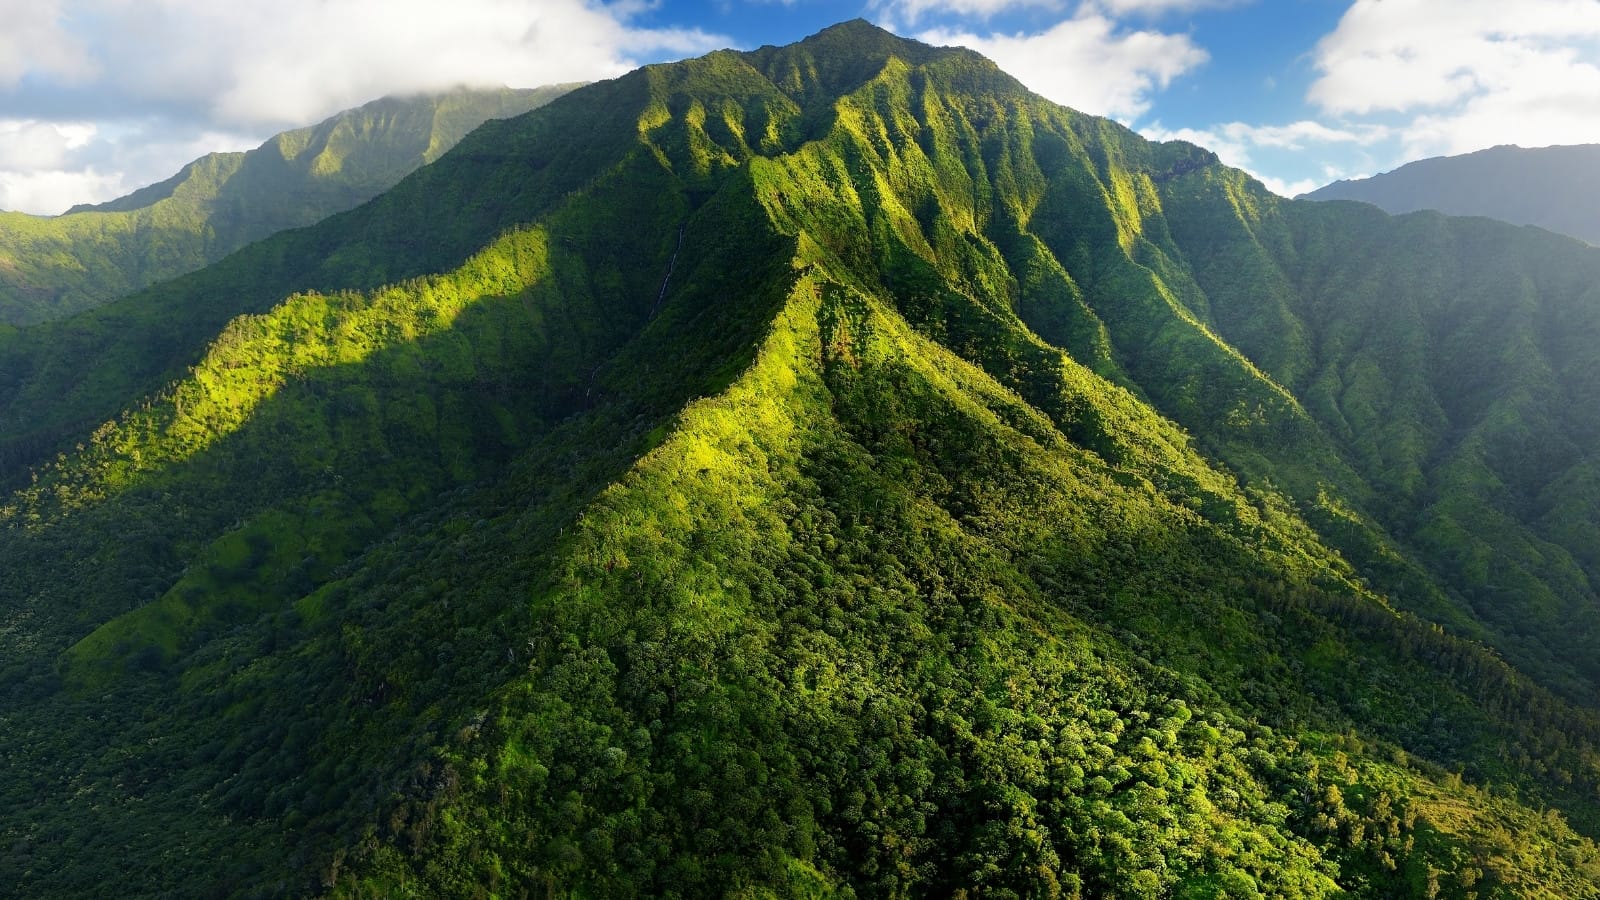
1552,187
53,267
824,471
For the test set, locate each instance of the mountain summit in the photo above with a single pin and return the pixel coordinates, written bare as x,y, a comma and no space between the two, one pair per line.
828,470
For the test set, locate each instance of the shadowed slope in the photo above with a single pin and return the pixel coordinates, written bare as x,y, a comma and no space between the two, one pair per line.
1446,358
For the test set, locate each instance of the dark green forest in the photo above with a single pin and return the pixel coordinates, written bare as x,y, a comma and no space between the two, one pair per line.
824,471
51,267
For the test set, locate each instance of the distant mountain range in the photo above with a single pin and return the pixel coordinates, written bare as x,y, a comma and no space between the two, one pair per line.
53,266
830,470
1557,188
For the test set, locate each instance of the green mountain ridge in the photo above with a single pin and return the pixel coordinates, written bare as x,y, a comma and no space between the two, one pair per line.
1557,188
51,267
829,470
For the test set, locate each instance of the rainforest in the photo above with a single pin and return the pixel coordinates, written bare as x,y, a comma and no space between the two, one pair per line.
828,470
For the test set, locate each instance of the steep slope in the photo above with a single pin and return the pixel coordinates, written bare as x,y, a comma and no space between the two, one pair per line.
1552,187
52,267
1449,369
61,379
828,470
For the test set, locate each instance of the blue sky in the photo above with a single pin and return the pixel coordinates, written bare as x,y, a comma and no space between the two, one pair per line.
98,97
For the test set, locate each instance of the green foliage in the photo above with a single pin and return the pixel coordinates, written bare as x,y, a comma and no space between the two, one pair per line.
829,471
1443,377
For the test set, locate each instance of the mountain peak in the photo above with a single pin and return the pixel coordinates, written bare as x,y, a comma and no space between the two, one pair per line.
854,31
839,58
862,39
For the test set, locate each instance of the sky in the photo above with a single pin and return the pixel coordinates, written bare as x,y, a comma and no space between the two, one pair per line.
99,97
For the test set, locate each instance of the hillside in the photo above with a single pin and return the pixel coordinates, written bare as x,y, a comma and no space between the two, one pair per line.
1556,188
54,266
829,470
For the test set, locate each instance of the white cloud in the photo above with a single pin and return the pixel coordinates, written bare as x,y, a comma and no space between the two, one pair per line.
154,74
46,167
38,171
52,191
294,61
1561,108
1088,62
1158,7
913,11
1291,189
1299,135
1473,74
1398,80
29,145
1404,54
1238,144
33,40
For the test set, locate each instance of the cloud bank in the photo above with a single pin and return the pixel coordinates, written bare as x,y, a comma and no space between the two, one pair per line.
1089,62
1469,74
1241,145
1399,80
193,70
291,62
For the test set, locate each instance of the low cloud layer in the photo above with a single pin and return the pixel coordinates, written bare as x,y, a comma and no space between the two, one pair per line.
34,42
913,12
1399,80
293,61
193,70
1467,75
1088,62
1246,146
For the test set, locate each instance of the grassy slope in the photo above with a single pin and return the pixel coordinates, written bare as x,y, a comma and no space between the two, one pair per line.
434,585
53,267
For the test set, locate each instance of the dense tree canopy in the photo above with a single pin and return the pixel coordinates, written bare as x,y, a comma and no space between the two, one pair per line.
824,471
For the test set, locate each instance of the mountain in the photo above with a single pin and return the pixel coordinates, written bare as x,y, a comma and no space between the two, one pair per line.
828,470
1556,188
54,266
